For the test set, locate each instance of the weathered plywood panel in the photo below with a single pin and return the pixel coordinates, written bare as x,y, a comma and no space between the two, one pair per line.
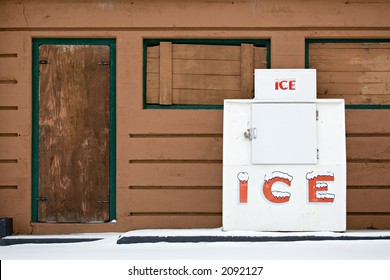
204,74
74,133
359,72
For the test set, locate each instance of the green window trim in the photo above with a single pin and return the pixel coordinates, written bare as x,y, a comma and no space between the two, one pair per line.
346,40
35,111
223,42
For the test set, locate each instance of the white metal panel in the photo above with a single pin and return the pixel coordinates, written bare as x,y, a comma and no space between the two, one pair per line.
286,133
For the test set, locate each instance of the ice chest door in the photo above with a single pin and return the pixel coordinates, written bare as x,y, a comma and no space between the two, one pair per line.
284,133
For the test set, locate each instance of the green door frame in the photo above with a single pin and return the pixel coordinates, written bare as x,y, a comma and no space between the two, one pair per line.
35,115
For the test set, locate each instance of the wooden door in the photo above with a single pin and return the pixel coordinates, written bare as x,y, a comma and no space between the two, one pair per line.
74,87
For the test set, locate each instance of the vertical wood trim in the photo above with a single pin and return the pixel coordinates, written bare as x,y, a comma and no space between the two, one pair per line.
165,73
247,71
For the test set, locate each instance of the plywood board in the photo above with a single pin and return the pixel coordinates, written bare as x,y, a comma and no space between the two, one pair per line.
73,133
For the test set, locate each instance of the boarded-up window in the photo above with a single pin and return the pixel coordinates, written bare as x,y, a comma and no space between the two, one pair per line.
201,74
359,72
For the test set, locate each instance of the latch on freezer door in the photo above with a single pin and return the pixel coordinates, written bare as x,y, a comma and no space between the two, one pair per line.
250,133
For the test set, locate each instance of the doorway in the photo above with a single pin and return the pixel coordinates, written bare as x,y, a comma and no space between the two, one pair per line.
73,131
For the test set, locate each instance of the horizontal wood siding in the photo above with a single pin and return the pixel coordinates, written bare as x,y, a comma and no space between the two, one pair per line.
15,122
368,169
169,162
201,74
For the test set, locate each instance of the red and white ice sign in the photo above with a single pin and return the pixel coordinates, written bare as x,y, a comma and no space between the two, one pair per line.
282,84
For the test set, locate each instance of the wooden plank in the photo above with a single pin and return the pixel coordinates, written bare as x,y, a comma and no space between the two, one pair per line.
211,52
367,121
153,81
174,201
368,148
173,174
153,52
8,97
353,64
361,99
176,122
260,64
194,96
15,121
177,221
206,82
214,15
21,182
203,97
353,54
206,67
13,169
152,96
153,66
367,45
368,221
354,89
173,148
360,77
368,200
247,71
10,68
14,147
165,73
368,174
259,54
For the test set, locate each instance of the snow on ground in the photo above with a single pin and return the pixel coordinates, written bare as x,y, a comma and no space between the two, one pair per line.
108,249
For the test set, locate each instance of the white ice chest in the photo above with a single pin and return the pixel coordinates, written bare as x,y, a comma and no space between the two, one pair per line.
284,158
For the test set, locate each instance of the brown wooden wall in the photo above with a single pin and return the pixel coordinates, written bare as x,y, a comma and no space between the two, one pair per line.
169,162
